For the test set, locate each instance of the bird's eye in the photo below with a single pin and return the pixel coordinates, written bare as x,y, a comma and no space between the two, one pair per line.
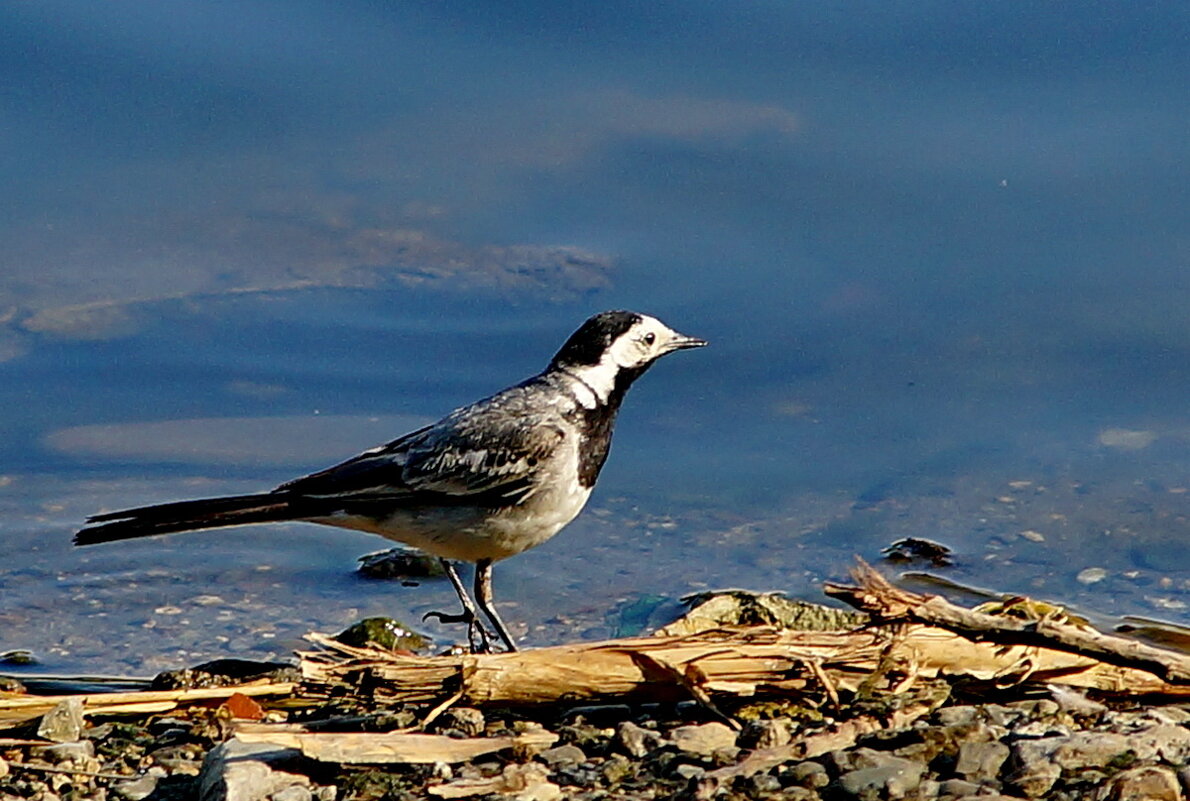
650,338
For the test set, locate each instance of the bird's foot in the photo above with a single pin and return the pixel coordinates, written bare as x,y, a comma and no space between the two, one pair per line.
477,636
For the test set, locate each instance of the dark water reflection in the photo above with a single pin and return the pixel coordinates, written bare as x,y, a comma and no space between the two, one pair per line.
940,254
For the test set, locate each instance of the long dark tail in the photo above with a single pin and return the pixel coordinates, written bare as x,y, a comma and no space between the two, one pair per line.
145,521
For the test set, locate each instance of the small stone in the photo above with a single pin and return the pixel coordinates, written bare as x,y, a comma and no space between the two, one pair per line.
1091,575
64,723
563,755
957,788
77,751
465,719
1033,536
294,792
763,783
690,771
384,632
957,715
810,774
137,789
1035,773
1169,742
326,793
635,740
764,734
981,762
892,777
3,768
1149,783
703,739
239,771
615,769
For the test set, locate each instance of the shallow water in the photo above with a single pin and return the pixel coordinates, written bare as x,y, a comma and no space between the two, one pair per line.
940,255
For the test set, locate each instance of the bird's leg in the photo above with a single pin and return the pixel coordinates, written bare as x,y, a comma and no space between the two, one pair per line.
483,597
477,635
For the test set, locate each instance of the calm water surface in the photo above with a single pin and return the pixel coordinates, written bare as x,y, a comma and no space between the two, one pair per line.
940,252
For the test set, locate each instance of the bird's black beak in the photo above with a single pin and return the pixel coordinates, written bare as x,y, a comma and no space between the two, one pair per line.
681,342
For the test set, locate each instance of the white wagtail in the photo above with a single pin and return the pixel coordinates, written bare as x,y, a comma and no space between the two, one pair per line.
484,483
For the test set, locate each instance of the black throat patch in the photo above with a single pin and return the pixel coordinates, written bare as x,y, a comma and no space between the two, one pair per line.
596,425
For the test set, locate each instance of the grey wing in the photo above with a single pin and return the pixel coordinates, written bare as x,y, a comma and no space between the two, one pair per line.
467,461
500,460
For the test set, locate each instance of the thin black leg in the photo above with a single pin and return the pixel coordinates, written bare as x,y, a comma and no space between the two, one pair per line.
477,635
483,597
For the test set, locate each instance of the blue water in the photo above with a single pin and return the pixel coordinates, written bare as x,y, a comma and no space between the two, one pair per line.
940,253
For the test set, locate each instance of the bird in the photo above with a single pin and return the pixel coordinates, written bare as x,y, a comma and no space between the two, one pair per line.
484,483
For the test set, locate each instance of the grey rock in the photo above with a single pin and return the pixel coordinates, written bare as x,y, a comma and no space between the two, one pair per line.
1168,742
981,761
238,771
1080,750
294,792
64,723
764,783
563,755
690,771
1037,708
1149,783
798,794
837,762
884,777
703,739
958,715
809,774
635,740
137,789
616,768
76,751
764,734
998,715
957,788
326,793
466,719
1034,773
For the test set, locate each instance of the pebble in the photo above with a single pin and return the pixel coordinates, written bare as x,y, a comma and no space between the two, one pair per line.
810,774
465,719
140,788
981,762
1150,783
703,739
764,734
77,751
636,740
563,755
64,723
886,777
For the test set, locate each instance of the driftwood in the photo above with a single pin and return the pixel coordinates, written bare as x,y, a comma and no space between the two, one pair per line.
18,708
889,604
752,661
392,747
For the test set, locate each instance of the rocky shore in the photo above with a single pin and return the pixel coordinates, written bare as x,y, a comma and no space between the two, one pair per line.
828,720
1060,747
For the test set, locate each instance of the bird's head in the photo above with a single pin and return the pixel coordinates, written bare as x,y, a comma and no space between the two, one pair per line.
613,348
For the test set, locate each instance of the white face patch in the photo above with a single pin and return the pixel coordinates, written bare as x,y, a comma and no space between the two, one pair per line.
638,346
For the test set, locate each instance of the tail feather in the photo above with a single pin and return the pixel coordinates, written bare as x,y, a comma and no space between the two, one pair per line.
147,521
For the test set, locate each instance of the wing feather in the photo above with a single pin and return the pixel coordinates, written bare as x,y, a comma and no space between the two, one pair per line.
461,461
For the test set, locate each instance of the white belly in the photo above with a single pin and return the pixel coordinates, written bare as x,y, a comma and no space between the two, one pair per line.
470,534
